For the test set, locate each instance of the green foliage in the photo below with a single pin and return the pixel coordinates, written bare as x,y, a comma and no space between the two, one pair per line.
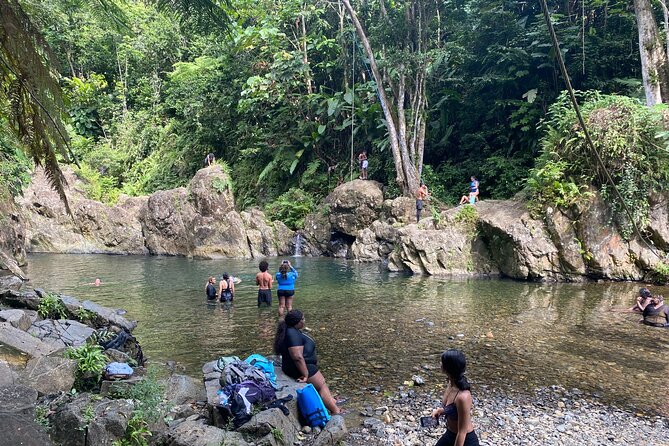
278,435
86,316
42,416
14,165
88,414
436,215
137,433
632,144
97,186
291,208
467,215
90,364
51,307
661,272
148,395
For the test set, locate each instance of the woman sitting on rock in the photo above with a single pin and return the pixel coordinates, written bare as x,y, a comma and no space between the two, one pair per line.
298,357
457,403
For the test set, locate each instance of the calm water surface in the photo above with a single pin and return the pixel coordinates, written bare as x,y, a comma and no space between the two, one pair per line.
375,329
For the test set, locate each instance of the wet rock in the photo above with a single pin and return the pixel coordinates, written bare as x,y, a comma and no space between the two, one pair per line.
22,430
12,235
49,375
418,380
18,319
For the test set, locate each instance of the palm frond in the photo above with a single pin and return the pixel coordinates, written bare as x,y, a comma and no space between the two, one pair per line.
202,13
30,86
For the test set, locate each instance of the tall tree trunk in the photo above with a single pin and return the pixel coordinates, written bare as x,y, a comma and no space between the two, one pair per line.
654,68
406,169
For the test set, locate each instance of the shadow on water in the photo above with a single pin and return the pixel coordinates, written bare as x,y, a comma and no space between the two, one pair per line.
375,329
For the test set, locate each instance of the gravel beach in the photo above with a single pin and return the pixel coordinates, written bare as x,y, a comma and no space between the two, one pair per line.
550,416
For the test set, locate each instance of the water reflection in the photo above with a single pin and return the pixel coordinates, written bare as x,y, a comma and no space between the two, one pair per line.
374,329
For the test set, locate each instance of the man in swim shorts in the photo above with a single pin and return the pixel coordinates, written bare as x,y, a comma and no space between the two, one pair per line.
421,195
362,159
264,281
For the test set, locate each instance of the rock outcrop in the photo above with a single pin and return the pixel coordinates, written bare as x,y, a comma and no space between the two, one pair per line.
198,220
93,227
354,206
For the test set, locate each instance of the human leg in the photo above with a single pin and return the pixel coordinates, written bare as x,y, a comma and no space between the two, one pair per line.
448,439
464,199
318,381
282,304
289,303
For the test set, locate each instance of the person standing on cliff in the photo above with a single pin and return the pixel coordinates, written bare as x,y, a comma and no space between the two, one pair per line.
421,195
209,160
362,159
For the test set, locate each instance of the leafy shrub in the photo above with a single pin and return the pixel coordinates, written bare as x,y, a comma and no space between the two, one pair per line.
291,208
14,165
467,215
91,362
51,307
148,395
632,143
661,272
97,186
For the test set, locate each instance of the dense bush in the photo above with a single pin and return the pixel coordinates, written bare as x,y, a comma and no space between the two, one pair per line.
291,208
632,142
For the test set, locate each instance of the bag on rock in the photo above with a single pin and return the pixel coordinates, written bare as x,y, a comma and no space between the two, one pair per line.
265,365
239,371
118,370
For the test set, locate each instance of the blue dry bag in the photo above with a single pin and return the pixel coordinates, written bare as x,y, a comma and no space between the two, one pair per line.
311,406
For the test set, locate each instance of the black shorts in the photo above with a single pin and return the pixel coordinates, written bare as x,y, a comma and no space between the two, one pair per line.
293,373
285,293
227,297
265,296
448,439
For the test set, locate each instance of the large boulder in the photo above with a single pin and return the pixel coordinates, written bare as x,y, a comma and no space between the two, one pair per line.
9,282
332,433
268,421
267,239
49,375
18,318
61,333
8,377
181,389
93,227
354,206
198,221
400,210
519,245
91,421
316,234
194,432
17,417
659,220
24,342
374,243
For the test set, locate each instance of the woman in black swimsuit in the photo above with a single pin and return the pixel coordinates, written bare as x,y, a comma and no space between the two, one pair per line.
298,357
457,403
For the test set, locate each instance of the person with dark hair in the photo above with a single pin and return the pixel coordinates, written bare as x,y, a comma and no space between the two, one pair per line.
226,288
210,289
209,160
298,357
286,290
473,196
457,403
421,195
642,300
264,282
656,313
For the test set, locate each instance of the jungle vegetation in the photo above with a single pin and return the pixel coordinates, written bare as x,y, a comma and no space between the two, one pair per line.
286,93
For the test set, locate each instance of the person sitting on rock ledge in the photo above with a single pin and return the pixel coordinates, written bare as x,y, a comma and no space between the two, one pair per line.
656,313
298,357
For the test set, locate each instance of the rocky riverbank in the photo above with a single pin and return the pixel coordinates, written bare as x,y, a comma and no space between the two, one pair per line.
551,416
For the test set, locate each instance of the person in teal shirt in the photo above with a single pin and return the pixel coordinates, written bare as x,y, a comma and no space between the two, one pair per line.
286,290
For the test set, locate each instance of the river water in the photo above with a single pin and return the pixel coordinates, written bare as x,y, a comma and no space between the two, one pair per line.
375,329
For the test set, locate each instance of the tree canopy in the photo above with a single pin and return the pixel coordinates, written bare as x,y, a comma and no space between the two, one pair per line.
285,93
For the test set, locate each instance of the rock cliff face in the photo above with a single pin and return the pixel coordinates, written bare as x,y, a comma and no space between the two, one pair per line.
199,220
12,234
496,238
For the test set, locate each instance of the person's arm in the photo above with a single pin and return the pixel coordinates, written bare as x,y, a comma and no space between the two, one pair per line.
258,279
463,402
439,411
297,355
294,270
232,286
206,286
220,287
271,281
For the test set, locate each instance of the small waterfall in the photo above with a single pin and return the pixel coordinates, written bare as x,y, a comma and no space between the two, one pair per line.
298,246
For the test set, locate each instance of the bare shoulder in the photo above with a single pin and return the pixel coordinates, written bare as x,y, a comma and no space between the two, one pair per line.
464,396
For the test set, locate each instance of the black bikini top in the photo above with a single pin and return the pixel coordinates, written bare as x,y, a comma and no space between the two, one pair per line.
450,410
